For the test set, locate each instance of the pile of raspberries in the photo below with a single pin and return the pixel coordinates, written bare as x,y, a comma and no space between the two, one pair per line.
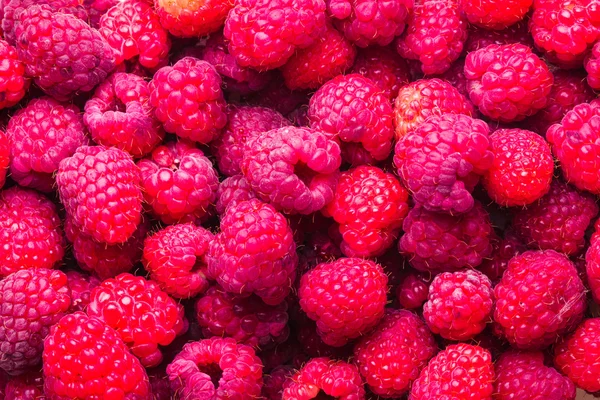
299,199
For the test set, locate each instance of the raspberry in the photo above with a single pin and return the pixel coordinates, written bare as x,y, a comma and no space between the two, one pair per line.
30,233
459,305
592,67
523,90
503,250
13,84
179,182
522,170
495,14
216,368
523,375
232,191
254,252
592,265
275,381
246,319
188,100
331,55
161,390
370,206
325,378
96,9
119,115
435,36
99,188
443,242
539,299
413,291
80,285
442,160
83,357
32,301
29,386
61,52
293,24
243,123
424,98
391,357
189,18
42,134
384,67
557,221
480,38
346,298
175,259
355,95
455,75
5,147
295,169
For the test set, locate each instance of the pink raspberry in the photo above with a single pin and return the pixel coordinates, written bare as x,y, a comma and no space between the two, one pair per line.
5,147
412,292
41,135
13,84
119,115
523,90
29,386
383,66
175,258
495,14
293,24
232,191
189,18
80,285
295,169
504,249
188,100
275,381
443,242
442,160
435,35
480,38
179,183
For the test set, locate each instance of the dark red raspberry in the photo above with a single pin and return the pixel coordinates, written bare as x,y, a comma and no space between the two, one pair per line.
369,205
539,299
275,381
312,344
175,259
495,14
295,169
279,97
5,147
41,135
480,38
461,371
179,183
188,18
455,75
438,242
424,98
81,286
188,99
435,35
99,188
413,290
119,114
243,122
442,160
83,357
29,386
523,90
391,357
325,378
384,67
231,191
504,249
30,233
96,9
318,248
13,84
159,381
293,24
371,124
216,368
32,301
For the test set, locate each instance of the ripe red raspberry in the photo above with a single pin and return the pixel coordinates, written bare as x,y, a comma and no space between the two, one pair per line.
325,378
232,191
32,301
243,122
369,205
384,67
331,55
83,357
592,67
371,124
295,169
41,135
424,98
13,84
80,285
189,18
459,305
119,115
5,147
558,220
99,188
539,299
275,381
435,36
391,357
254,252
592,264
179,183
293,24
216,368
346,298
523,375
29,386
412,292
442,242
523,90
522,169
442,160
61,52
175,259
495,14
188,100
504,249
30,233
480,38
